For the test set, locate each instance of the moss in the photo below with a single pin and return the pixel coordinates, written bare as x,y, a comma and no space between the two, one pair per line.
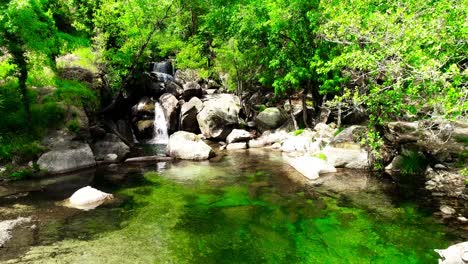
320,156
412,163
73,126
298,132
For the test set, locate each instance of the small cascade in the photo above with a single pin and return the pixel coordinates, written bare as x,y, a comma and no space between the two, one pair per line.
160,135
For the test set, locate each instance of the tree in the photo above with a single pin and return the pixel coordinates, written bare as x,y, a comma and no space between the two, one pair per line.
26,28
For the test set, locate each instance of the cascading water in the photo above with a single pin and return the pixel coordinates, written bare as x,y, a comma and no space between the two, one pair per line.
160,135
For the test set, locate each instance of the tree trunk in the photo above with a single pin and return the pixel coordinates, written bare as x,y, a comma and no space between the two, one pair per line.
19,59
338,119
305,116
291,113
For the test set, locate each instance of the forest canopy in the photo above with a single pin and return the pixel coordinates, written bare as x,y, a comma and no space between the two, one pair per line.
395,59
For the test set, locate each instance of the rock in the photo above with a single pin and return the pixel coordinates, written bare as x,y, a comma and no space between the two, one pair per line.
352,157
456,254
170,106
188,115
67,159
352,134
445,183
440,166
148,158
274,137
238,135
187,75
302,143
145,129
110,144
395,164
185,145
447,210
324,131
145,107
277,145
462,219
256,143
440,138
270,118
192,89
174,89
97,131
219,116
310,167
88,198
235,146
111,157
7,226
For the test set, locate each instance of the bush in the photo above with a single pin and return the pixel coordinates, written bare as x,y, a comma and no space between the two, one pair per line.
73,126
412,163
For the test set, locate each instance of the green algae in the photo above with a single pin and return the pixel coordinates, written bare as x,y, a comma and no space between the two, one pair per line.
247,219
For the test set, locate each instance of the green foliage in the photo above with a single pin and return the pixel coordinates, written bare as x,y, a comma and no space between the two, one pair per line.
73,126
21,174
298,132
321,156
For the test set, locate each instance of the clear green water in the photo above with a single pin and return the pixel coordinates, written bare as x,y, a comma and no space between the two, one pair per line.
246,208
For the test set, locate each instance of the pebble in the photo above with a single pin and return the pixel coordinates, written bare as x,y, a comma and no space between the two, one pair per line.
462,219
447,210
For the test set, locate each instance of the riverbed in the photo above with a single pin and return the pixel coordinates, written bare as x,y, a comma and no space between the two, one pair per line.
245,207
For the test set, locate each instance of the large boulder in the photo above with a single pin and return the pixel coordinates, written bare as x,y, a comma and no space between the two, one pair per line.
192,89
440,138
170,106
324,131
236,146
300,144
310,167
456,254
174,88
270,118
188,146
188,115
238,135
352,134
351,157
219,116
77,156
110,144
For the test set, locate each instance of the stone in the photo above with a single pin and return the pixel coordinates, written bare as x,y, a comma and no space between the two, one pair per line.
144,107
300,143
256,143
7,226
186,75
456,254
67,159
324,131
462,219
112,157
274,137
447,210
238,135
170,106
188,146
270,118
236,146
352,157
219,116
310,167
188,115
192,89
352,134
145,128
110,144
88,198
395,164
174,89
445,183
277,145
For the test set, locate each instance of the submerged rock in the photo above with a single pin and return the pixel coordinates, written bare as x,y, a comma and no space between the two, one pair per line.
445,183
456,254
88,198
188,146
310,167
7,226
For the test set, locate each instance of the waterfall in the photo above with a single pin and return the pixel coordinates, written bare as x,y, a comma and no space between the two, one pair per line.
160,135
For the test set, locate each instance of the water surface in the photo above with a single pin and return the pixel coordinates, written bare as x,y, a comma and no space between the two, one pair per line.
248,207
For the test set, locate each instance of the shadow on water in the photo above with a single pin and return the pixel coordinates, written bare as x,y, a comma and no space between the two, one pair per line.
246,207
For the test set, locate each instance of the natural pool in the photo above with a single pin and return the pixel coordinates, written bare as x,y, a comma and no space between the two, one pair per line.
248,207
